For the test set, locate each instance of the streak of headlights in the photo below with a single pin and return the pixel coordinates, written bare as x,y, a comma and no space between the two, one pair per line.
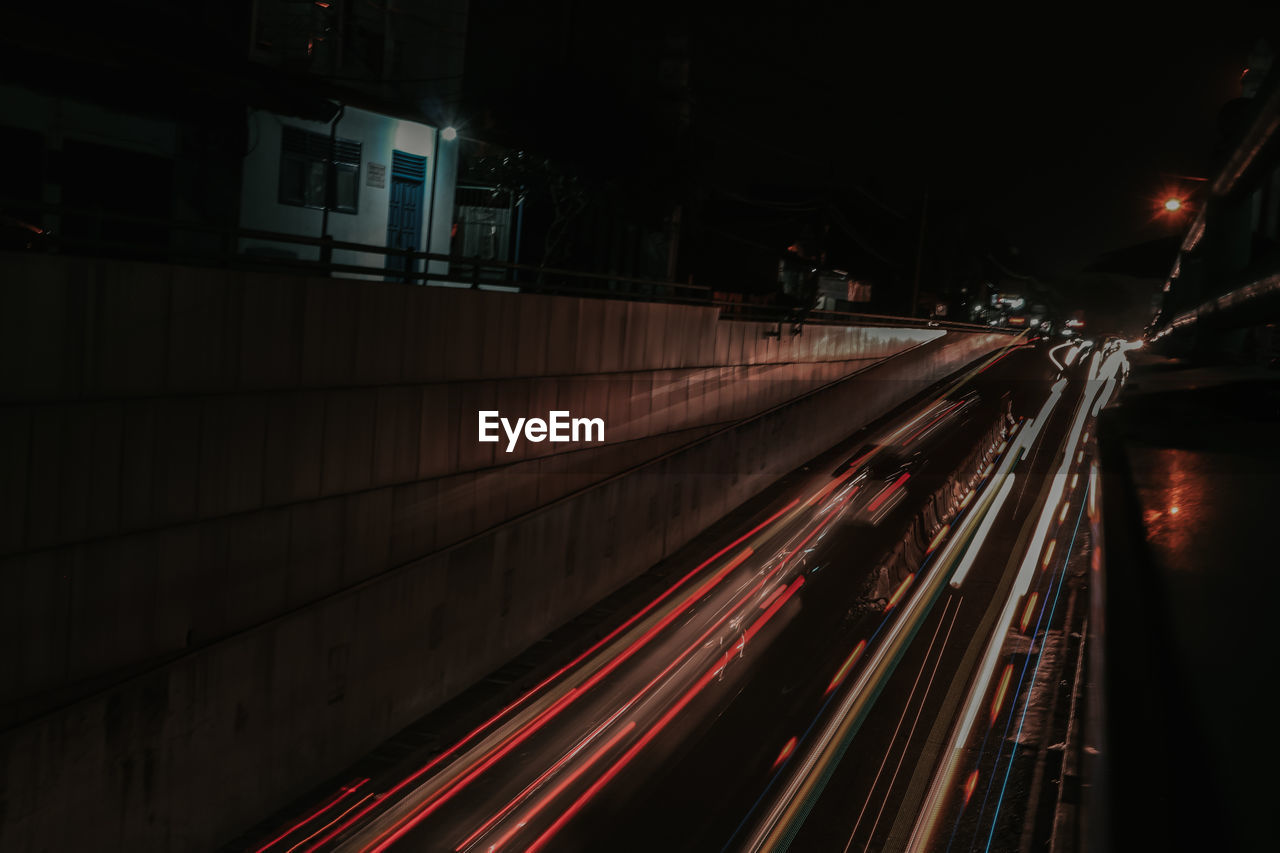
943,782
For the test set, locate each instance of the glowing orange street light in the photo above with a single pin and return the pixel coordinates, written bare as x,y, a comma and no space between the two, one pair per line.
1172,204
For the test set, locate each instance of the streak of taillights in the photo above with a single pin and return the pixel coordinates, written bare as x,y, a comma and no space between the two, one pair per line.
671,665
442,796
533,691
376,798
889,490
342,793
993,362
564,783
537,783
657,727
764,605
437,798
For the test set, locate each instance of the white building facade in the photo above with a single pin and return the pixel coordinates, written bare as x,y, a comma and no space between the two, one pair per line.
392,184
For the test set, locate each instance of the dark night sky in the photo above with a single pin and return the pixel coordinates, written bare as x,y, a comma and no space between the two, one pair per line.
1057,133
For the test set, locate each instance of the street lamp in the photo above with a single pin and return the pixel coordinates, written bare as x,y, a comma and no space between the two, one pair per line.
1172,204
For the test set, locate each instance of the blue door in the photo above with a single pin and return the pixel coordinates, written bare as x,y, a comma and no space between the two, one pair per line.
404,216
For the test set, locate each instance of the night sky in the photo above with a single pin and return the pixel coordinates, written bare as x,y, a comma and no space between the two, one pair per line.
1060,133
1060,137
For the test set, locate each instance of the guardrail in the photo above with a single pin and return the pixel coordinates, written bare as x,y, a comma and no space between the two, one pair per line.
206,244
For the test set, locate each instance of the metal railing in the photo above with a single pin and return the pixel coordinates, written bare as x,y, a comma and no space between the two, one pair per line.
206,244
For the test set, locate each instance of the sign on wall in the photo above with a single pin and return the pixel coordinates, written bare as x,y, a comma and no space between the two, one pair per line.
377,175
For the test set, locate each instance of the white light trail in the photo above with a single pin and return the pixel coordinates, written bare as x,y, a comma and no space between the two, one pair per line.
988,520
1055,361
943,781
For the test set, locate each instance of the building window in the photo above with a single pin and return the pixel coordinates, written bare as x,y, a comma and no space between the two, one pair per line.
302,171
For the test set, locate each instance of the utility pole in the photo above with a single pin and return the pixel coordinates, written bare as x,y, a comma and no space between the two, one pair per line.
330,190
915,286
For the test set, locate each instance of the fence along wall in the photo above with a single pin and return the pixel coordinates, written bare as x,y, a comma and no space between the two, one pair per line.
193,453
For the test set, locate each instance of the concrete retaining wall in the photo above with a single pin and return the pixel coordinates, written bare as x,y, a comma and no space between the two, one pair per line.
187,453
233,572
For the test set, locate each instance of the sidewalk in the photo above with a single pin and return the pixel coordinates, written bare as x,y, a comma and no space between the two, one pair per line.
1191,482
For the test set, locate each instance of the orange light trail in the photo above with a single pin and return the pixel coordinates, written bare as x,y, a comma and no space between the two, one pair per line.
1026,612
937,540
846,666
897,593
969,785
998,702
787,748
1048,553
342,793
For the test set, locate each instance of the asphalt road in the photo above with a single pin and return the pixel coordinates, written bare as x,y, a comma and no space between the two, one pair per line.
784,680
